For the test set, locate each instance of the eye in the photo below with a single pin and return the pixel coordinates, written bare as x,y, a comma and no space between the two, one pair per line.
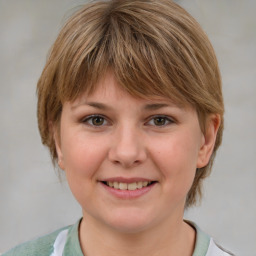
160,121
95,120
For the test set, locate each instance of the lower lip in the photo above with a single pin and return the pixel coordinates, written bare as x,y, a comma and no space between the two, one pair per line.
128,194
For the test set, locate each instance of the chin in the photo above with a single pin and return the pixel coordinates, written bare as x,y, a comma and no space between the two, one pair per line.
129,222
129,227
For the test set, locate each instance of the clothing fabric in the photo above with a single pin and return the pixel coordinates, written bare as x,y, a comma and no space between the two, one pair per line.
65,242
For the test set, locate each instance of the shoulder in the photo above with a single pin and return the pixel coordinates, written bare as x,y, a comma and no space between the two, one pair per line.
205,245
216,250
42,246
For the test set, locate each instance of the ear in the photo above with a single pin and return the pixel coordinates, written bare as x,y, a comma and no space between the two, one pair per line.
57,138
208,141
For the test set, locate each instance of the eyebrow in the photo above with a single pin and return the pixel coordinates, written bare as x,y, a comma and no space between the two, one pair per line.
155,106
98,105
95,105
102,106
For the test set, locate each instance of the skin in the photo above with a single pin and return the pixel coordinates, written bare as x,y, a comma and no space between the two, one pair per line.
128,138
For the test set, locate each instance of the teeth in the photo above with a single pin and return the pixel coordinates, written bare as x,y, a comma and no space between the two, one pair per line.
144,183
132,186
139,184
128,186
123,186
116,185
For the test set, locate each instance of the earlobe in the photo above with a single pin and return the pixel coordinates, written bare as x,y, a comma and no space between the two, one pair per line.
208,141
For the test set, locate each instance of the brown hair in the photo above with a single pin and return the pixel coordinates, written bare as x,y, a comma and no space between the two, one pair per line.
153,47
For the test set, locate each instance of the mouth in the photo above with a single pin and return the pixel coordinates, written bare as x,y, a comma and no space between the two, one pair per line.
128,186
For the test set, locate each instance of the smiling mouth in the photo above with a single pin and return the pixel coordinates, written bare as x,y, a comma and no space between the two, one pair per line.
128,186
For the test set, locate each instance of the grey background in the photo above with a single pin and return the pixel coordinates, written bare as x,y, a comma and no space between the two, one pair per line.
33,201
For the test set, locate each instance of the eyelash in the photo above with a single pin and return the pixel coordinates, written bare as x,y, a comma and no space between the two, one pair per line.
167,120
89,120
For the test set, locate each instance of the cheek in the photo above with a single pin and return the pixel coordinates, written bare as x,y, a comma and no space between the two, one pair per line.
176,159
82,159
82,155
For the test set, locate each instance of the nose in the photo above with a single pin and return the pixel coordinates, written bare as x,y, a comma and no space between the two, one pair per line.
127,148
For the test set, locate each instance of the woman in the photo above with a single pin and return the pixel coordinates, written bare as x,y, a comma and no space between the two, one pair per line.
130,106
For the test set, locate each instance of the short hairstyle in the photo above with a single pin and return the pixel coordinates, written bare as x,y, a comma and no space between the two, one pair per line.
154,48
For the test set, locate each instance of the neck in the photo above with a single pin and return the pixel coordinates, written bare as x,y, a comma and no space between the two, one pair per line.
172,238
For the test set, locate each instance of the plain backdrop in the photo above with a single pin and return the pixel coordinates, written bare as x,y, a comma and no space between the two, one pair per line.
32,200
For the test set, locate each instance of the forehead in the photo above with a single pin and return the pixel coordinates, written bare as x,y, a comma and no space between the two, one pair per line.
108,89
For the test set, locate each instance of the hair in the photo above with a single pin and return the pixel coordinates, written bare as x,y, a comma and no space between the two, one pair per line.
153,47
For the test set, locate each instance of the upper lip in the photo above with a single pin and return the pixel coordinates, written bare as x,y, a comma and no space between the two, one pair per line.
126,180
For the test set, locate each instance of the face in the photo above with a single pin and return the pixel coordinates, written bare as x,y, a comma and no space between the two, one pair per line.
129,162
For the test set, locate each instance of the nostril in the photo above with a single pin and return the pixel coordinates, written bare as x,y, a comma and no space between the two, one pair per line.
126,156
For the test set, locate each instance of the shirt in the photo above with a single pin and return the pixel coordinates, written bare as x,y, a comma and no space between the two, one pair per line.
65,242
